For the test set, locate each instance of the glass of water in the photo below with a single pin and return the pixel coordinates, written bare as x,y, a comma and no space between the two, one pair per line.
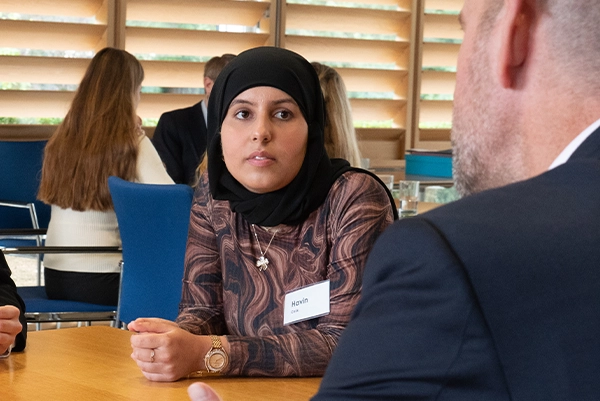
408,194
388,180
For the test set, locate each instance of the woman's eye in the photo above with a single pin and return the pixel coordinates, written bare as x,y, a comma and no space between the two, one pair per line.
242,114
283,114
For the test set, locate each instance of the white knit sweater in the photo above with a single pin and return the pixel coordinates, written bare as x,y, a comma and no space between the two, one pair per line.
93,228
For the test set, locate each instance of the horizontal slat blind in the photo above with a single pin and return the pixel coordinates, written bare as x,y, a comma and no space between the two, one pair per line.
45,47
368,42
175,38
441,41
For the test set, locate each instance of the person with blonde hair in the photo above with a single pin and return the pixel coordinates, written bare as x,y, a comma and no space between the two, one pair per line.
100,136
340,136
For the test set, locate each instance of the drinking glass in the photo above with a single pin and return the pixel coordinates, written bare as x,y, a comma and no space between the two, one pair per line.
388,180
408,194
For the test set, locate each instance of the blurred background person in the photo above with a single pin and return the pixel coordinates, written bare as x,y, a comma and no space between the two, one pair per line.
180,136
100,136
340,135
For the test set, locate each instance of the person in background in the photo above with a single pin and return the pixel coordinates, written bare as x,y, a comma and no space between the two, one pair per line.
13,326
273,215
100,136
340,136
495,296
180,136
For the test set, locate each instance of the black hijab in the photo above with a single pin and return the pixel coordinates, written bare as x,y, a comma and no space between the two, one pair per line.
291,73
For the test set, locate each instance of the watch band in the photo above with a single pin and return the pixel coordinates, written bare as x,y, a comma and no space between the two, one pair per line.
216,358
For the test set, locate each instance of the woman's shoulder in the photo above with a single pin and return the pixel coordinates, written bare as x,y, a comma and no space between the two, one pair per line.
203,196
357,194
358,181
359,188
143,140
201,190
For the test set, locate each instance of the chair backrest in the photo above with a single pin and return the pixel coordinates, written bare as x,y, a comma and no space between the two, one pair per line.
153,222
21,166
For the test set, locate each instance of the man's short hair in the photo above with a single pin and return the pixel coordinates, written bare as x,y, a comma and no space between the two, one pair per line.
213,67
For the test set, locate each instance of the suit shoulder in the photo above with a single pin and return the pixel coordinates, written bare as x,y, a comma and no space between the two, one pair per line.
186,111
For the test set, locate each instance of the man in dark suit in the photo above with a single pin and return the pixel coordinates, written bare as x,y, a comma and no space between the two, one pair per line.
495,296
13,327
180,135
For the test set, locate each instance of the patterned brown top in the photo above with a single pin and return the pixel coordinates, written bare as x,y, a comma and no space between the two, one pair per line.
224,292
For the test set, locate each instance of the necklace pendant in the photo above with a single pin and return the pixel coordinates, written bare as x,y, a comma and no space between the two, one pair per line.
262,263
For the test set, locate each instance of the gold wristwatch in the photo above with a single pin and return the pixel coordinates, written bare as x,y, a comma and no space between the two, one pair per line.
216,358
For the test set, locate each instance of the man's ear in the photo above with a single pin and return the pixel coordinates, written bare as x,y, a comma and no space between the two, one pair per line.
515,27
208,84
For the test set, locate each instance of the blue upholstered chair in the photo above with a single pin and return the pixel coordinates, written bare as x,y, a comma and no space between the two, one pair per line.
40,309
153,222
23,219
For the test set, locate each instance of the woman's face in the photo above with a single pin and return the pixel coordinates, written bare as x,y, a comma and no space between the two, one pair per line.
264,137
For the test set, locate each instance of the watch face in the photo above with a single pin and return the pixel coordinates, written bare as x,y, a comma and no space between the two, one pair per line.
217,361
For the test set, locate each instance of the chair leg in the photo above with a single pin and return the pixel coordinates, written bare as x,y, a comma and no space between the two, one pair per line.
39,269
38,239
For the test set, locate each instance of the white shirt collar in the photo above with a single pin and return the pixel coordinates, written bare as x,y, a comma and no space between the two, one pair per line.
575,143
204,111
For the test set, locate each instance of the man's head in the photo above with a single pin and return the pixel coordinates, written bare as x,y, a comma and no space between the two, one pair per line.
212,69
520,83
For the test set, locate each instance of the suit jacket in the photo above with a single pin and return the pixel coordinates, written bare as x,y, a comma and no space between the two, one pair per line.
9,296
493,297
180,140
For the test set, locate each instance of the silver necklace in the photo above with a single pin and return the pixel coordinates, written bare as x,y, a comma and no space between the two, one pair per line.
262,263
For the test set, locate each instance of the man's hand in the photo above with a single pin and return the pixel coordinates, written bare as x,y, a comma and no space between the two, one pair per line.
202,392
10,326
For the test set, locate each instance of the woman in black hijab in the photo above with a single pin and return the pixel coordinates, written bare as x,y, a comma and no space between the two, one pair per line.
279,233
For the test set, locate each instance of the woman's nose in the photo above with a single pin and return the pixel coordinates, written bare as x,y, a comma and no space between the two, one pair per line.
262,130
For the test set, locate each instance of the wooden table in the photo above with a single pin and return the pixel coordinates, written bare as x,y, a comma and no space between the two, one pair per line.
93,363
423,207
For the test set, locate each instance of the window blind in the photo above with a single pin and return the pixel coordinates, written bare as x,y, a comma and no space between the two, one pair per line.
45,47
369,44
397,57
175,38
441,39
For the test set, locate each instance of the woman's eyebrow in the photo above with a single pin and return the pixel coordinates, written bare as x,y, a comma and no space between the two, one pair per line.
275,102
285,100
239,101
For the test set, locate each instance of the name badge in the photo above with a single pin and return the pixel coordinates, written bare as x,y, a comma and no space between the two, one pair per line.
306,303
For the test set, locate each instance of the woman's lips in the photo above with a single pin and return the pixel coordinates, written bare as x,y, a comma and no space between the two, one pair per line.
260,159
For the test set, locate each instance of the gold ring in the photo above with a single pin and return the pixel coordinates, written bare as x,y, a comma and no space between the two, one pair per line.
152,355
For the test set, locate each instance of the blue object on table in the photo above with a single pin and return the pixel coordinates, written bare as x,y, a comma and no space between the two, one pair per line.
153,222
429,164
